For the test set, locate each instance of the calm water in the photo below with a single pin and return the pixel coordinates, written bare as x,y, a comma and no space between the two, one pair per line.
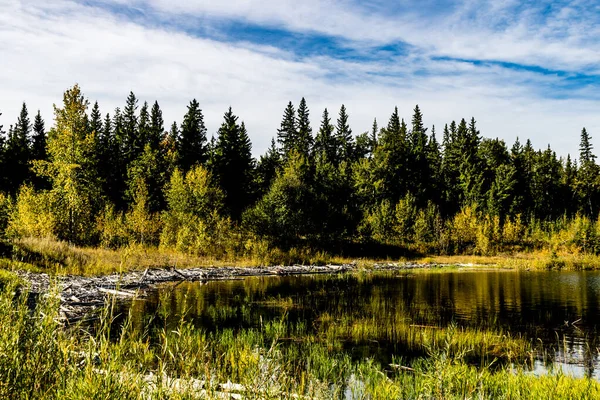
558,311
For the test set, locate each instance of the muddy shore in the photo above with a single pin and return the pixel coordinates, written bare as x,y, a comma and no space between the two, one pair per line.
81,295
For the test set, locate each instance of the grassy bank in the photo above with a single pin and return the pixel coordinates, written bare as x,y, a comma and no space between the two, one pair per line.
39,358
60,258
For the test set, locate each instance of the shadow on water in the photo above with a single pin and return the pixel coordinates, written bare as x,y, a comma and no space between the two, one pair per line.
389,315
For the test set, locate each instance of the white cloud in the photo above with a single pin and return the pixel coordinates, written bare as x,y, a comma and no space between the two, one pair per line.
482,30
48,47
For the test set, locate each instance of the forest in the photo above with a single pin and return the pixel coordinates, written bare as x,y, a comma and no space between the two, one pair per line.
125,178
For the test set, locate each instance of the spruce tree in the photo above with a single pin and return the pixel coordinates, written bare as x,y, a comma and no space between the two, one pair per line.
38,150
157,126
288,131
192,142
3,167
38,146
588,177
95,120
434,161
304,141
233,164
343,136
325,143
131,144
387,174
418,171
374,137
144,125
18,153
267,167
585,148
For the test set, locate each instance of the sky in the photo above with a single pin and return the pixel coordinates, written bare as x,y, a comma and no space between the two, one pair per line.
527,69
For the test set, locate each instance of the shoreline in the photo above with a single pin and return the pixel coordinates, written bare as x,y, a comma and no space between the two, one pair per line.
81,295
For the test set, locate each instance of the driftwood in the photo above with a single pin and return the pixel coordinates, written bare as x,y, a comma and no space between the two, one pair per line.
80,295
116,292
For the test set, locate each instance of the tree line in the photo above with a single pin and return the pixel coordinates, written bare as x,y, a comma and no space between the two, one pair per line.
124,178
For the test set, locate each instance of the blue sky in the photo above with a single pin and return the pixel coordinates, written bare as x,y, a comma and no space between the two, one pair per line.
521,68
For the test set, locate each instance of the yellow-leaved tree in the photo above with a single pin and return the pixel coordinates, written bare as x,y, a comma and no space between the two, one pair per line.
68,210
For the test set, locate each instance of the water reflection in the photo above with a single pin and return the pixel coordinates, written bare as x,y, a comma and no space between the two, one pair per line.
559,310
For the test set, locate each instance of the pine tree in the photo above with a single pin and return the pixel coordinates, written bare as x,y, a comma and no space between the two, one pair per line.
387,176
585,148
288,132
38,146
3,167
343,137
18,153
192,142
95,120
325,143
588,177
267,167
144,126
471,175
418,170
157,127
233,165
434,161
304,142
373,138
131,144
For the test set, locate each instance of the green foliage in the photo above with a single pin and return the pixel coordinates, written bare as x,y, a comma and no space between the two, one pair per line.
284,214
192,222
233,165
75,197
191,145
94,179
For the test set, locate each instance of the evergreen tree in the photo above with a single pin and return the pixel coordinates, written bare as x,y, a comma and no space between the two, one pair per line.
233,165
343,136
267,167
157,127
3,167
95,120
288,132
384,177
585,148
418,169
192,142
38,146
325,143
18,153
434,162
374,134
144,126
588,177
546,185
131,143
304,142
471,177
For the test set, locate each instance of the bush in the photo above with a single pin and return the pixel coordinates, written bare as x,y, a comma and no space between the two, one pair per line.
32,215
